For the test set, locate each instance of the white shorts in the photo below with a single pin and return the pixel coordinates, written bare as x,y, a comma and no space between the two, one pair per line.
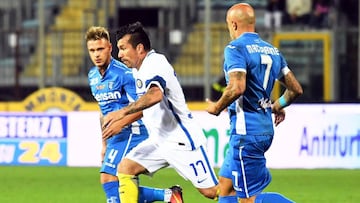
191,165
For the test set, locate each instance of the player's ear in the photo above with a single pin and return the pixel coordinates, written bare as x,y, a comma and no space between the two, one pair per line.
234,25
110,47
139,48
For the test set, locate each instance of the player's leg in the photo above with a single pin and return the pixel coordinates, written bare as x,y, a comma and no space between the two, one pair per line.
227,193
150,194
270,197
250,175
108,173
143,159
131,193
193,165
110,186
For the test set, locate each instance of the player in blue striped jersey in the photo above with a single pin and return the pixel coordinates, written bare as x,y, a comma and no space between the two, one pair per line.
251,67
113,87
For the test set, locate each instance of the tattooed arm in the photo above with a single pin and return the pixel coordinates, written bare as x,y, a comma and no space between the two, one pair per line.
235,88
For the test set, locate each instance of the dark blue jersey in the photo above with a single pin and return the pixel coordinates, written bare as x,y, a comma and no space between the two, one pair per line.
263,64
115,90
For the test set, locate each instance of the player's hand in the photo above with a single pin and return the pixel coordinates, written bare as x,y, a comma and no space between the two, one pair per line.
111,117
111,130
279,116
211,108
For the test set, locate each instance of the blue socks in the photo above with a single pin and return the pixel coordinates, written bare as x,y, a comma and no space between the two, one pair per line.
272,197
227,199
111,190
147,194
267,197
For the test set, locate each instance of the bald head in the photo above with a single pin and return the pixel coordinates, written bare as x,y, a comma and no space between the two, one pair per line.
240,18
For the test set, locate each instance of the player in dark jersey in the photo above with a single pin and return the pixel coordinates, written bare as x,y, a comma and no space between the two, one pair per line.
113,87
251,67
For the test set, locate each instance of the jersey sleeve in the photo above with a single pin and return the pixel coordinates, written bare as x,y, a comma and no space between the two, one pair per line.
129,86
284,67
235,59
157,75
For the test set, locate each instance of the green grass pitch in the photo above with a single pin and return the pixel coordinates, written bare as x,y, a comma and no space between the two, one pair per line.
20,184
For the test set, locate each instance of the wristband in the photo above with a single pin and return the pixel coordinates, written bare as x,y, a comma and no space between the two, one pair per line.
283,102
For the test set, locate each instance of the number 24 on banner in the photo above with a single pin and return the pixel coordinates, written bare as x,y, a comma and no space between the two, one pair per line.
35,151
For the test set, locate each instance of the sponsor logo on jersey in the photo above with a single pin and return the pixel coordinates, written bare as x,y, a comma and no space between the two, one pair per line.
265,103
104,96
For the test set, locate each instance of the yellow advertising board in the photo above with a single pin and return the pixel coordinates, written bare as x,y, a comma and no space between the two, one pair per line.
58,99
51,99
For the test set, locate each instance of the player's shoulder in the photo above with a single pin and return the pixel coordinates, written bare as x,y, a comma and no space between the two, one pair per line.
92,72
155,57
119,67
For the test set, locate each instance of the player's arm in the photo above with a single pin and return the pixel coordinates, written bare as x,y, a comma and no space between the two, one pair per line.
103,147
103,150
292,92
153,96
118,125
234,89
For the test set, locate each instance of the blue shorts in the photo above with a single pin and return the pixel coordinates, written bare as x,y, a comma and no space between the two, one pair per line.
250,175
225,169
116,150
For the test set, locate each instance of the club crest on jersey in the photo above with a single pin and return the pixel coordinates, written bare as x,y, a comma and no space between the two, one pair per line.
139,83
111,85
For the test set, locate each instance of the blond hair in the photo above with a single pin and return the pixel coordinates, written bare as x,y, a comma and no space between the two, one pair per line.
96,33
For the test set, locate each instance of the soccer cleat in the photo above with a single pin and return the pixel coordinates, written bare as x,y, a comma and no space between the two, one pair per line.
176,196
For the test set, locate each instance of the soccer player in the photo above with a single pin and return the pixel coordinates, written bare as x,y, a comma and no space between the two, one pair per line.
113,86
174,137
251,67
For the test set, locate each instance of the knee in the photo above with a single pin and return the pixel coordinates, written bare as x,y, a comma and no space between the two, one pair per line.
130,167
105,178
226,187
211,193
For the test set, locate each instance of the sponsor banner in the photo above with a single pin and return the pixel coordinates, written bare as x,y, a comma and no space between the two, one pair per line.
317,136
312,136
33,139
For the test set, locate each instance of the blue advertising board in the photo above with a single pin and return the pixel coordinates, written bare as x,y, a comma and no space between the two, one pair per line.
33,139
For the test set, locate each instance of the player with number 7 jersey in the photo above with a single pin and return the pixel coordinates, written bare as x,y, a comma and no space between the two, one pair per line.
244,55
251,67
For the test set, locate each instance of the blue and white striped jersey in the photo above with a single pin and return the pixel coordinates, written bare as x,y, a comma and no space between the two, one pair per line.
169,120
263,64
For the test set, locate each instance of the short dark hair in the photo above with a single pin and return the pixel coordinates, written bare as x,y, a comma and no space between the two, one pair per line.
137,35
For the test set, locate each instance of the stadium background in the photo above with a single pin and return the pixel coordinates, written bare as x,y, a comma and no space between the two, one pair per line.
45,47
44,64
